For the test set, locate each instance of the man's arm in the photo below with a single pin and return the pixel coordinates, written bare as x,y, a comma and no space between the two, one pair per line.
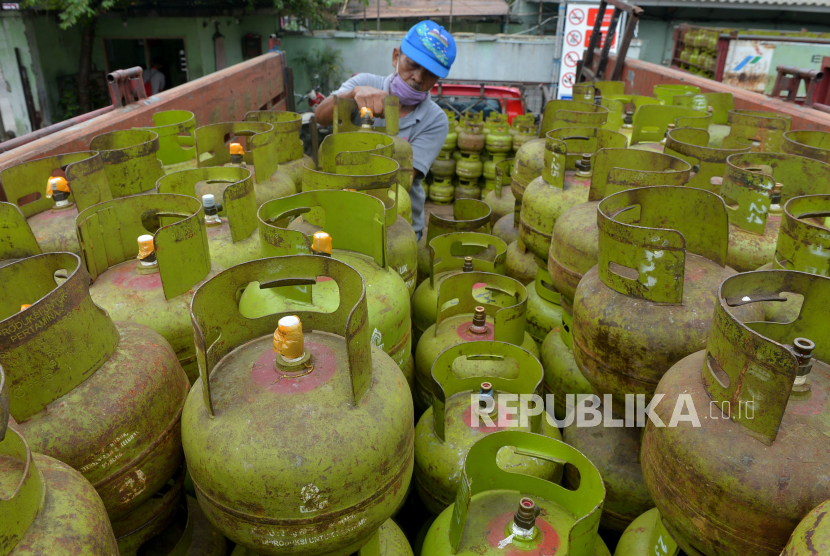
355,88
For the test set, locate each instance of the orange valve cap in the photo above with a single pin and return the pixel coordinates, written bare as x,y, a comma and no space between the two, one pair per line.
56,184
288,338
236,148
146,247
321,243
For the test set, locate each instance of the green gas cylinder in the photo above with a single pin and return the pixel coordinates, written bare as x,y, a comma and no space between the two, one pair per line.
812,144
666,92
812,536
361,161
102,397
803,245
630,105
525,130
46,507
229,203
177,144
655,120
16,238
762,131
499,316
467,409
756,394
450,254
315,389
521,263
583,143
146,254
254,147
529,160
574,251
657,272
718,104
647,536
289,146
354,233
501,200
544,312
50,191
468,215
484,520
614,449
562,375
571,113
468,170
129,158
708,163
442,191
755,186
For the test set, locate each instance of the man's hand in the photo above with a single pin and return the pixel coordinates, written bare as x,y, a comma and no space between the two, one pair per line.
369,97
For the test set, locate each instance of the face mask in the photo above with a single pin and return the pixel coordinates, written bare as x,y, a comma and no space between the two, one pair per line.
402,90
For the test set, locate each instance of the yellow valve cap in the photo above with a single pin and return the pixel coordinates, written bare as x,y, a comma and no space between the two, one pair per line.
366,112
146,247
56,184
236,148
288,338
25,306
321,243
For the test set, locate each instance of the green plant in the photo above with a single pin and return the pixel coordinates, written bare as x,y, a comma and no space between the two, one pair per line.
324,68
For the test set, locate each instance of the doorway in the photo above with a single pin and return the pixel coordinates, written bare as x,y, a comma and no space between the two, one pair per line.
128,53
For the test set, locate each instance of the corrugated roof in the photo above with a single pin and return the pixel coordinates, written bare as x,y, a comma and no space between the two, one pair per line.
424,8
798,5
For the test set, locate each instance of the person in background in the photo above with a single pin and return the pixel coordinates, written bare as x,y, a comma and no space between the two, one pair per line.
155,77
425,56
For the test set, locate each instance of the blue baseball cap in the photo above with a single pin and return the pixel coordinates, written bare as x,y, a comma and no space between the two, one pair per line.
431,46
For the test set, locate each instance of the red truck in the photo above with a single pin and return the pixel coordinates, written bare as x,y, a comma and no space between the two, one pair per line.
480,98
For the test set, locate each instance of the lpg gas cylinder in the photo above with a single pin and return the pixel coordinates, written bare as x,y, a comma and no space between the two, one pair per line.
16,238
289,146
812,536
571,113
718,104
755,186
500,199
115,390
647,536
176,140
499,316
469,215
254,147
467,409
489,174
484,521
630,105
812,144
661,257
762,131
583,143
525,130
530,159
614,449
666,92
803,245
451,141
468,170
655,120
737,479
146,254
562,375
46,507
442,191
498,143
50,191
544,312
574,250
353,233
443,166
129,158
320,374
227,196
360,161
450,254
521,263
471,137
707,163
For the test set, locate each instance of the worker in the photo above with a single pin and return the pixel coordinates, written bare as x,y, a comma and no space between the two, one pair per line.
425,55
155,77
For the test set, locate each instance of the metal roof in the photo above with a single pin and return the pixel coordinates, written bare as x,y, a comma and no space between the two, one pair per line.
790,5
355,9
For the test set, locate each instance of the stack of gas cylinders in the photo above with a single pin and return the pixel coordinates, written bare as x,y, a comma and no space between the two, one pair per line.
214,344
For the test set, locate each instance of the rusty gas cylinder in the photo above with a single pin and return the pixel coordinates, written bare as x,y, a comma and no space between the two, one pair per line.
307,381
755,186
50,191
574,250
500,199
46,507
499,315
692,145
466,409
361,161
129,158
761,131
175,130
17,241
812,144
227,196
115,390
354,233
497,512
654,121
450,254
662,268
146,254
289,146
471,139
812,536
756,394
583,143
254,147
441,191
468,215
647,536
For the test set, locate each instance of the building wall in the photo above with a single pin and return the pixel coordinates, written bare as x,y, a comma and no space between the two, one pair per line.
15,35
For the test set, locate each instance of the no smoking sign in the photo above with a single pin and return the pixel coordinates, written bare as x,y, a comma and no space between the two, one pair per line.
571,59
574,38
577,16
568,79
